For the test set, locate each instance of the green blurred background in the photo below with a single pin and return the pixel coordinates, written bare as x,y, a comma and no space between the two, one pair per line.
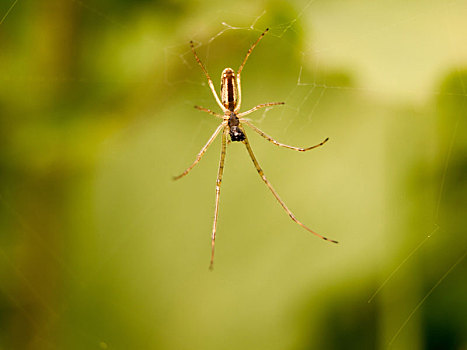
100,249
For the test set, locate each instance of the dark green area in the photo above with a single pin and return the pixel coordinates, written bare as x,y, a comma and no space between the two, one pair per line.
100,249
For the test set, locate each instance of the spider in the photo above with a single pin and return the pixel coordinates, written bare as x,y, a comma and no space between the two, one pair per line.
232,124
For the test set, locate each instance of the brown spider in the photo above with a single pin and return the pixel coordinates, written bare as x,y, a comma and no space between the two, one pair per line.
232,120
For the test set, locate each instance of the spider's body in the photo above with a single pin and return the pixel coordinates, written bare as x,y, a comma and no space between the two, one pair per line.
229,99
232,121
229,89
235,131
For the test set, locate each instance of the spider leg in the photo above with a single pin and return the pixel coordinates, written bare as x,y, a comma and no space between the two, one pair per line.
270,139
211,85
210,112
203,150
263,177
218,191
258,107
239,90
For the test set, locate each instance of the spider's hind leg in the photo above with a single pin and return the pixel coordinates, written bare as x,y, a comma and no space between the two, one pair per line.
202,109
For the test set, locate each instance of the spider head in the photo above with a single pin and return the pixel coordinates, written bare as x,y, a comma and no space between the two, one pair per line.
236,133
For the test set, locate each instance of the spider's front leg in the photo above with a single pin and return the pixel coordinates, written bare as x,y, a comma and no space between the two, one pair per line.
203,150
270,139
218,192
266,136
276,195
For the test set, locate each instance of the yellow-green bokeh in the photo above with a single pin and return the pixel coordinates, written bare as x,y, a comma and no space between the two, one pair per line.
101,249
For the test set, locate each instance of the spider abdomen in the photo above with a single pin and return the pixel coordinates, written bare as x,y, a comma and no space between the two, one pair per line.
229,89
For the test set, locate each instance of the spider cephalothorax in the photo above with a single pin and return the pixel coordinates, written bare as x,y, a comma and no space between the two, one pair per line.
232,120
236,133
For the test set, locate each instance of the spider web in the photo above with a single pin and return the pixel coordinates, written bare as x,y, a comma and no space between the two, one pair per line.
329,66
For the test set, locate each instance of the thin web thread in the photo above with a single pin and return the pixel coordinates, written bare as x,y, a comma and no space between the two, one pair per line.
8,11
424,298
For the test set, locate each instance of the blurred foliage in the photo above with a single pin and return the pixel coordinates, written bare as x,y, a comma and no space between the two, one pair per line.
99,249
